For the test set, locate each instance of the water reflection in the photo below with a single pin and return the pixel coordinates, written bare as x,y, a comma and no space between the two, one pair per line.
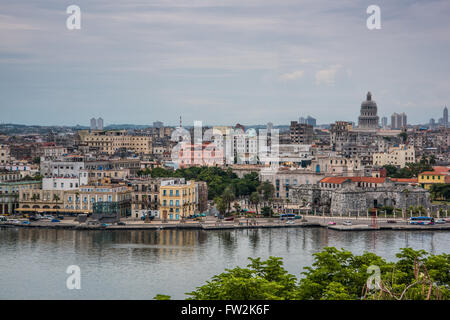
139,264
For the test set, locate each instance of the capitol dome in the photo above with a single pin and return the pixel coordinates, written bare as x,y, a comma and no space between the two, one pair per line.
368,118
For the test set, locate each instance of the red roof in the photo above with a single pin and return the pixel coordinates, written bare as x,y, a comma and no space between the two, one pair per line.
335,180
441,169
339,180
409,180
435,173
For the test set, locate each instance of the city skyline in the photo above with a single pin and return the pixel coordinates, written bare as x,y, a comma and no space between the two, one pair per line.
232,62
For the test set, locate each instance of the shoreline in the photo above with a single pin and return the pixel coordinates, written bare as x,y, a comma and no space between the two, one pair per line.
228,226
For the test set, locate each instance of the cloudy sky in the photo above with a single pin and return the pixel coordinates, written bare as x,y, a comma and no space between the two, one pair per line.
221,61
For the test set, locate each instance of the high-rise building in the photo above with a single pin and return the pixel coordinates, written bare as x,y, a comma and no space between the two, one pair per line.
158,124
308,120
368,118
398,121
100,123
93,124
311,121
384,122
301,133
432,123
445,117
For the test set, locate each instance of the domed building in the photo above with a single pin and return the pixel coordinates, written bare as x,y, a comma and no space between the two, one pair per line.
368,118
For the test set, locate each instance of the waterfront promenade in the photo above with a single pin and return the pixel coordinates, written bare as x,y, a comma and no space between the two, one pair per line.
212,223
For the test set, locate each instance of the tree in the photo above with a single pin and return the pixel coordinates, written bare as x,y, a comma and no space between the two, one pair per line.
266,211
237,207
228,197
336,275
255,199
404,136
220,205
261,280
267,190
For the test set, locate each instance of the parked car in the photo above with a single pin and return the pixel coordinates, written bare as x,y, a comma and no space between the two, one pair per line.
48,217
391,221
347,223
60,217
55,220
440,221
121,223
290,222
25,222
331,223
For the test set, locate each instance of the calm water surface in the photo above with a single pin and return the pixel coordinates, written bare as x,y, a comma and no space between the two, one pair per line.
141,264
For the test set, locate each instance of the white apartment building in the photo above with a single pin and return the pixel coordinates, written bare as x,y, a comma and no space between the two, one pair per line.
64,183
50,168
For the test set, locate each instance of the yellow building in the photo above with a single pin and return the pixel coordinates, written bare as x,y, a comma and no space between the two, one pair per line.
110,141
427,178
82,200
178,199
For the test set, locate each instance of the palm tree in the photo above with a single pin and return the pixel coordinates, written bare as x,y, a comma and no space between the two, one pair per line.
56,198
255,199
228,196
35,198
236,207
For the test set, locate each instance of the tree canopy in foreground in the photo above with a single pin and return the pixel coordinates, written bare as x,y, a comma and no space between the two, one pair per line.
334,275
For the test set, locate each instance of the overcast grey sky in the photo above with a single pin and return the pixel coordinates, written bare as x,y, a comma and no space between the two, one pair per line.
221,61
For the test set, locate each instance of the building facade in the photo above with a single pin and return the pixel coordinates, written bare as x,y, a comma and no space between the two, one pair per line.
178,199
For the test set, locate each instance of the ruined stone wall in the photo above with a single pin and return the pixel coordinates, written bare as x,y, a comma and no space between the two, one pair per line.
352,199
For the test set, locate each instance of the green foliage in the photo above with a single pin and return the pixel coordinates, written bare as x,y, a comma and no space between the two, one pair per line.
409,171
228,196
217,179
334,275
161,297
220,205
261,280
255,199
267,211
440,191
267,190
